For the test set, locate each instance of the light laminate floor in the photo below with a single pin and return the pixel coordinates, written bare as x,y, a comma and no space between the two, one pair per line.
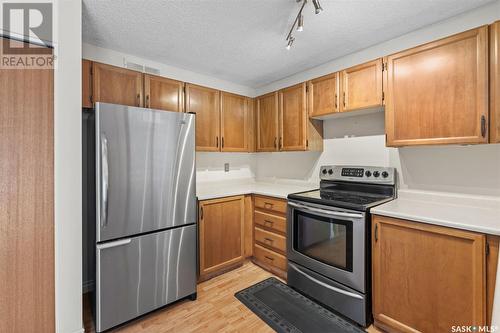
215,310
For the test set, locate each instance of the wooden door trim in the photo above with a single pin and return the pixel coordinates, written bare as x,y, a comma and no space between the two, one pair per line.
276,105
188,87
344,91
147,88
222,125
97,81
281,141
481,34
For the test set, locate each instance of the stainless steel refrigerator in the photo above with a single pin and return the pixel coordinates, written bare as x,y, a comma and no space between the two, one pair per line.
145,211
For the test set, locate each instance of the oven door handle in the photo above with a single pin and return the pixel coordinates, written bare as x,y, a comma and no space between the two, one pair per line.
326,212
338,290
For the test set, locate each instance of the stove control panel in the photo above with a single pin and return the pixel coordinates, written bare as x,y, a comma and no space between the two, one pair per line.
362,174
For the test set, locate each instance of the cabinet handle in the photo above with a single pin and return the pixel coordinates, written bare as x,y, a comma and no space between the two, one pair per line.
201,213
336,104
269,258
281,143
147,101
222,142
343,98
267,221
276,142
269,240
268,205
138,99
483,126
376,232
217,141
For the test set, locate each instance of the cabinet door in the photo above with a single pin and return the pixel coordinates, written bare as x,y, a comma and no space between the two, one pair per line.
427,278
221,233
117,85
205,103
293,118
323,95
267,122
163,94
495,82
362,86
438,92
234,122
87,84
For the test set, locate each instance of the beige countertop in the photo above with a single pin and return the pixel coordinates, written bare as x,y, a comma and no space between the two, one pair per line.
273,188
473,213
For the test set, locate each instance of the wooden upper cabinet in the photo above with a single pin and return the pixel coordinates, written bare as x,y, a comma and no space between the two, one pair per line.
293,118
361,86
163,94
87,84
204,102
323,95
438,92
221,233
117,85
234,122
267,122
495,82
427,278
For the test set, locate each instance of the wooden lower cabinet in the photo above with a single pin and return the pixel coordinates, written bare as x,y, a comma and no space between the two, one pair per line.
221,234
270,234
427,278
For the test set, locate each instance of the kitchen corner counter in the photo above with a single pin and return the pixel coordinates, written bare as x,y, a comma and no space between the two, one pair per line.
277,189
473,213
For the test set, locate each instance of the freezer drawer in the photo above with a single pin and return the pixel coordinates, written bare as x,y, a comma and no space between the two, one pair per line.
137,275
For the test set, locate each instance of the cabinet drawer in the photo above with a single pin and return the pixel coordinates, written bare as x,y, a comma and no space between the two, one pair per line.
270,257
273,204
270,239
274,222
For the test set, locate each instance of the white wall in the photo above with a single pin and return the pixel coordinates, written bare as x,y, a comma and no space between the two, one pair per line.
210,166
68,167
480,16
116,58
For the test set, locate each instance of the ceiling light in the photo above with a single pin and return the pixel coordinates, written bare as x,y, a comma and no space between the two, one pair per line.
317,7
290,42
300,25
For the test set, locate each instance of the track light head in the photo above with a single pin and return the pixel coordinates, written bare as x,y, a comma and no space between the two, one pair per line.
317,7
290,42
300,24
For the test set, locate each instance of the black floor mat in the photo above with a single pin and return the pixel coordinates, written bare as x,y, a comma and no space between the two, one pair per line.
285,310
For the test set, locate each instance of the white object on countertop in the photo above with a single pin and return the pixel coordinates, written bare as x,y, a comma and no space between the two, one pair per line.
467,212
268,187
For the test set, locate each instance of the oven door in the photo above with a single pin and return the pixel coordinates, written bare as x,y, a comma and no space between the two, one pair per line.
329,241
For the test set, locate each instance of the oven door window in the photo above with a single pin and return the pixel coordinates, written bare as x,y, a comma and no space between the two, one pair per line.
325,239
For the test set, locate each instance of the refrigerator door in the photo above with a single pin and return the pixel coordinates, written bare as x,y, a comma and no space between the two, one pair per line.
145,163
140,274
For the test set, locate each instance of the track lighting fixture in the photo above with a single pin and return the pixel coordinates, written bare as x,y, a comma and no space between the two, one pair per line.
299,21
317,7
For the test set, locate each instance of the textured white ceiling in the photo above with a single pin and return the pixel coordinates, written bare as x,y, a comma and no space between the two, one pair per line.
243,41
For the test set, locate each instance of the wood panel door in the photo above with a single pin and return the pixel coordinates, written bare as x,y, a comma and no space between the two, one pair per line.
117,85
362,86
426,278
267,122
234,122
323,95
438,92
495,82
163,94
204,102
27,200
87,101
293,118
221,233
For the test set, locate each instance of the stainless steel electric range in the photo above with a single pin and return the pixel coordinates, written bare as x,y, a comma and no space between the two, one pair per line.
329,242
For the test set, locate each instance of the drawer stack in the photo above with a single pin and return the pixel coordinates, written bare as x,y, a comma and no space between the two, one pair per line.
270,234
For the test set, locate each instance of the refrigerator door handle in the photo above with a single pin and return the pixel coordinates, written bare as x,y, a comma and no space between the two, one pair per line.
104,181
114,244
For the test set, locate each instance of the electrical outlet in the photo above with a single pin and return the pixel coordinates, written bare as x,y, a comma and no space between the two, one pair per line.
226,167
